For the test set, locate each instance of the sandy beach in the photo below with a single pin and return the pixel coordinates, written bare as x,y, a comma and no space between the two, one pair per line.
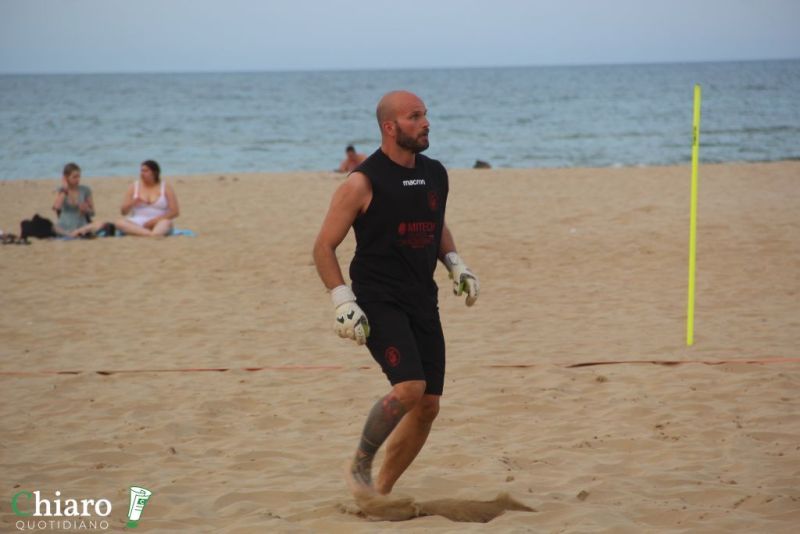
576,266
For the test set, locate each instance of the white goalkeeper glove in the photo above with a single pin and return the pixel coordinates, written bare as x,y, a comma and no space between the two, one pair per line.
464,280
351,322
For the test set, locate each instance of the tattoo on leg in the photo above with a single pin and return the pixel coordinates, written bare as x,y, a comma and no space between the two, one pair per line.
382,419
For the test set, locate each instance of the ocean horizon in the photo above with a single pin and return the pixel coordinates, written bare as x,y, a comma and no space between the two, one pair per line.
512,117
407,68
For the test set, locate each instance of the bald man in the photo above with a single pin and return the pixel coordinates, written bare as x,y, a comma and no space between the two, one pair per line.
395,201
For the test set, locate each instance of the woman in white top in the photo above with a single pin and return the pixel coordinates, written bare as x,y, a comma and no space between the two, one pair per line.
150,204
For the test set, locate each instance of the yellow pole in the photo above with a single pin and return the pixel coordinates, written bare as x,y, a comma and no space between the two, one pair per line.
693,217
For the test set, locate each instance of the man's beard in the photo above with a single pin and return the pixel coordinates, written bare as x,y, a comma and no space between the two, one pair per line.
410,143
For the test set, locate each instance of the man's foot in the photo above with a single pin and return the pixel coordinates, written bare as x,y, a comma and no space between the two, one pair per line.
359,479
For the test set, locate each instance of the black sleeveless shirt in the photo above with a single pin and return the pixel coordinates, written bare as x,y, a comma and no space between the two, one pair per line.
398,237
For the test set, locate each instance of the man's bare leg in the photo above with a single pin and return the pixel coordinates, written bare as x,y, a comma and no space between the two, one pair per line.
406,441
385,415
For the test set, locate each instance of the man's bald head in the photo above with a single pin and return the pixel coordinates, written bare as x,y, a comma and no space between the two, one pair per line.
393,103
402,119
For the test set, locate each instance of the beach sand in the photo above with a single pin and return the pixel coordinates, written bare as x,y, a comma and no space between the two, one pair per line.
576,266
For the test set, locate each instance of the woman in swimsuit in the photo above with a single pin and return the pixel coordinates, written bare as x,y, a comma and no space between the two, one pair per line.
150,204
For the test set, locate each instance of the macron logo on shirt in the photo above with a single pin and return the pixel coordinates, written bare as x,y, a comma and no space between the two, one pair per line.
408,183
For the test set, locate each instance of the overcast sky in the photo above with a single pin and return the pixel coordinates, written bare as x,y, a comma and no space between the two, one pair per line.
233,35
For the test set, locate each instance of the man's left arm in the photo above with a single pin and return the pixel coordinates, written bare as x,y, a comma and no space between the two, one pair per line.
447,244
464,280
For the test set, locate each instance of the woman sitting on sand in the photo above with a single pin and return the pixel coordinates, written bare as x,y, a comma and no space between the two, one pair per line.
151,203
74,205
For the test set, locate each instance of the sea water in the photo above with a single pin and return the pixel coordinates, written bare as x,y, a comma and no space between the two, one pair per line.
576,116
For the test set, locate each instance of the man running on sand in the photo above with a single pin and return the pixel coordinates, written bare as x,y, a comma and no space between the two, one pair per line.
395,202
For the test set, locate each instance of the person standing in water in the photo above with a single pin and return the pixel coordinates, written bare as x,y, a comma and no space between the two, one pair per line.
351,160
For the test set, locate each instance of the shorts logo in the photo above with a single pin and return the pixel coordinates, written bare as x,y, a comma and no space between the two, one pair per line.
392,356
433,200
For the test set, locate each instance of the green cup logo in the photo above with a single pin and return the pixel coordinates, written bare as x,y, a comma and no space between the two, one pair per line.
139,497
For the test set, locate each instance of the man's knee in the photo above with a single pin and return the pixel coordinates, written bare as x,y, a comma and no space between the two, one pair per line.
428,408
409,393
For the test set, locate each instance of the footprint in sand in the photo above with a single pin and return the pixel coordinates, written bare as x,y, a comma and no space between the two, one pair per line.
383,508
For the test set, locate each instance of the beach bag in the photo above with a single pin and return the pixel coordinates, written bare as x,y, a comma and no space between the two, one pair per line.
36,227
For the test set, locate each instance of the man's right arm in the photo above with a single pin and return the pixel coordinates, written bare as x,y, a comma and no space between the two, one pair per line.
350,200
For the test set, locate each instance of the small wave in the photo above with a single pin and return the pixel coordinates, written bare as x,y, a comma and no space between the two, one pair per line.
572,136
783,128
280,141
705,144
757,87
773,160
237,118
578,136
563,98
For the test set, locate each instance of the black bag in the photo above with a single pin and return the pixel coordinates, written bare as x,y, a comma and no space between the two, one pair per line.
36,227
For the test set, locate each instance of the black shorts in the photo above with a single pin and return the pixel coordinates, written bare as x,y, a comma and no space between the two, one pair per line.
407,345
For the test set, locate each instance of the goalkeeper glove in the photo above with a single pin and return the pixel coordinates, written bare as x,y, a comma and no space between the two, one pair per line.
351,321
464,280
